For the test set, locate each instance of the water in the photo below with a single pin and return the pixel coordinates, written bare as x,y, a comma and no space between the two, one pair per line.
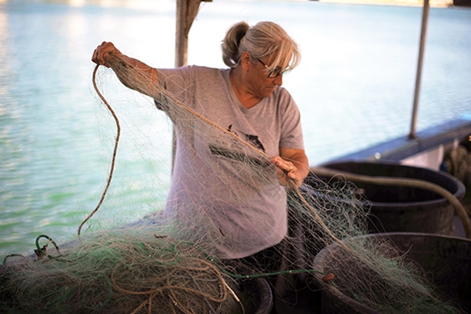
354,87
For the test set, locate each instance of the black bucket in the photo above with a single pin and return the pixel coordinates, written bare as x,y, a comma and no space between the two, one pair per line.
446,261
257,296
400,208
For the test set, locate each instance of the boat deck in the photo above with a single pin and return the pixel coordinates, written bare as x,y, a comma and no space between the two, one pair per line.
447,134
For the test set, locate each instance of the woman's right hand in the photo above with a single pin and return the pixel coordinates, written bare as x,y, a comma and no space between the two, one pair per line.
102,52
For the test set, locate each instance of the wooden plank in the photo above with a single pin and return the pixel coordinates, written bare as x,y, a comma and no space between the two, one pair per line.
187,10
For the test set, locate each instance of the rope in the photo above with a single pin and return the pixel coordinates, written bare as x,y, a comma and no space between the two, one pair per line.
170,288
115,150
42,251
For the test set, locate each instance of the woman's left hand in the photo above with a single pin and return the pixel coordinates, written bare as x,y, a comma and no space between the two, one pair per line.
286,171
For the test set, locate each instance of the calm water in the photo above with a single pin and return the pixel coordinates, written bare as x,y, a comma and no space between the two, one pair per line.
354,87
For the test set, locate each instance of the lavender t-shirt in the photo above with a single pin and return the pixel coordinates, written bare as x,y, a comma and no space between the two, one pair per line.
224,192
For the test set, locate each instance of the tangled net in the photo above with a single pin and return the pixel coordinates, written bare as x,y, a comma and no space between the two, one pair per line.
120,272
458,163
166,266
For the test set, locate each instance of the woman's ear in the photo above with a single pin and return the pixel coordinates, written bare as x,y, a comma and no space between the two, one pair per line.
245,61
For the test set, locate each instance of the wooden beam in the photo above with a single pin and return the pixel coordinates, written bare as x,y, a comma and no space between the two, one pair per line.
415,108
186,14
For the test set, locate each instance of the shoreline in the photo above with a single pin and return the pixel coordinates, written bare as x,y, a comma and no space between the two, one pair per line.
409,3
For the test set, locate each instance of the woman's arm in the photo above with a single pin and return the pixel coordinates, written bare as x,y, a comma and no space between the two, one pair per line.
131,72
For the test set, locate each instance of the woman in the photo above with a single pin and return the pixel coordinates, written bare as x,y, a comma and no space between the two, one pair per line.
225,194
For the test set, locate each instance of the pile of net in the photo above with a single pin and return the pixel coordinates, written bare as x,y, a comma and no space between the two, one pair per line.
121,272
169,268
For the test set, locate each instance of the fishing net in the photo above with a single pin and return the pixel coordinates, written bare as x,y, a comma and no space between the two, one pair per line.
165,264
458,164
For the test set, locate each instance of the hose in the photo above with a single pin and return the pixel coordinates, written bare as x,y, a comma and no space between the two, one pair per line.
416,183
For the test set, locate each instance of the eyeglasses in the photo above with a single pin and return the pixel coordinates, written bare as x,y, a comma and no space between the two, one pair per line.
275,72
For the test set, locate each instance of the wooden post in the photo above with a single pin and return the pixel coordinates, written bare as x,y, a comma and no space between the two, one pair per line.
186,14
425,11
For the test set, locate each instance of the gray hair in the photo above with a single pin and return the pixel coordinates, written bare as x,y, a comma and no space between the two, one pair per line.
261,40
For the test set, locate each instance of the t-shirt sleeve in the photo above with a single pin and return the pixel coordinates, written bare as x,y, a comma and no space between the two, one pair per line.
178,87
291,128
